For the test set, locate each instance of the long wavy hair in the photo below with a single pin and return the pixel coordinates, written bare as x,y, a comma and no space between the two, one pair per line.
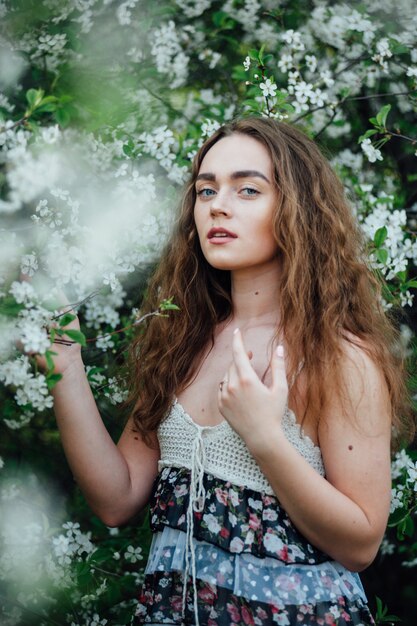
327,293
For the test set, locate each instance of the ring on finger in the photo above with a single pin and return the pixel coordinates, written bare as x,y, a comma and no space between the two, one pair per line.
223,382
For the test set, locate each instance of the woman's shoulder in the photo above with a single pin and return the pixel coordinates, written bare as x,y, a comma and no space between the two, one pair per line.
358,353
359,390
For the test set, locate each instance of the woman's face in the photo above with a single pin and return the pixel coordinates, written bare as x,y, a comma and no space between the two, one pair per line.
235,204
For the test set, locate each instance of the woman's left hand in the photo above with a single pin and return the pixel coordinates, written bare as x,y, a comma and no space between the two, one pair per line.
252,409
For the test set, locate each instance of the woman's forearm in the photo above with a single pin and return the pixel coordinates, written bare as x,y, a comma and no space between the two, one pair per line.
328,518
97,464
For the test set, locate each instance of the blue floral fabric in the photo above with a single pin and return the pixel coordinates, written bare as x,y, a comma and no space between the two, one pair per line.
252,565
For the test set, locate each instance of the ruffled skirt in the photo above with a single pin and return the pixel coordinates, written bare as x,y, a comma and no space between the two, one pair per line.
261,578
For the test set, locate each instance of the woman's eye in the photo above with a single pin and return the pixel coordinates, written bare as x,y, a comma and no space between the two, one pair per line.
250,191
205,192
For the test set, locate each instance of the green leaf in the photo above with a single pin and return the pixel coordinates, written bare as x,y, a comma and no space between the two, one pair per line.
382,115
409,526
66,319
379,607
411,284
10,307
366,135
382,255
49,360
128,148
398,48
94,370
77,336
48,107
221,19
52,379
168,305
63,116
380,236
261,54
34,97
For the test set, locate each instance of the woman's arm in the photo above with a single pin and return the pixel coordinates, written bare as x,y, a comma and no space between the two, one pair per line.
116,480
344,514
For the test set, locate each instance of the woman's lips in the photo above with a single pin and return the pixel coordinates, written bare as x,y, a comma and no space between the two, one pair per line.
220,236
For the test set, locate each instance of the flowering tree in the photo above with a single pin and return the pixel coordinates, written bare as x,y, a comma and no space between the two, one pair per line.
102,106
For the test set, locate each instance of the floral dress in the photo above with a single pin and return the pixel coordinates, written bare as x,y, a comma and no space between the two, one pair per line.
224,552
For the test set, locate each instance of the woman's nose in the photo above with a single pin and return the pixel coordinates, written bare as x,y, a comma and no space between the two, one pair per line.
220,205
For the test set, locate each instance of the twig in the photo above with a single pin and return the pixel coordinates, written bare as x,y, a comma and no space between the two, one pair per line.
70,342
75,305
335,111
382,95
21,121
103,571
393,134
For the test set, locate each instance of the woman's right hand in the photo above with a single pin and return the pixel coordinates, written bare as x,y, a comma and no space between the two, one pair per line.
66,354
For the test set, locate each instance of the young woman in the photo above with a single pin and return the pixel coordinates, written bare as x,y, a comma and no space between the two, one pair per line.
263,410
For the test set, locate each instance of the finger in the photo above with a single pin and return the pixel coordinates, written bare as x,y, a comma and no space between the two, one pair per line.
240,357
232,376
278,372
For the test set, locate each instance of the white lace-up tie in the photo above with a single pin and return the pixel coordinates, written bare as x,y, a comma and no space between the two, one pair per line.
196,503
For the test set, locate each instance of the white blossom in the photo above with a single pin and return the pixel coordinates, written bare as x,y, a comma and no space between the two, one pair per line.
211,56
412,71
97,621
247,15
21,420
286,61
406,298
33,338
396,499
311,62
124,12
114,392
169,56
402,461
50,134
29,264
373,154
133,555
23,292
268,88
293,39
208,127
383,52
193,8
104,342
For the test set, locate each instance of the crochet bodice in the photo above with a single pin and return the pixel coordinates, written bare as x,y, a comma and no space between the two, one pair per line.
220,450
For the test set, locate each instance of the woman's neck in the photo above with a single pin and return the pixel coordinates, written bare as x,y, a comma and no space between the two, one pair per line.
255,295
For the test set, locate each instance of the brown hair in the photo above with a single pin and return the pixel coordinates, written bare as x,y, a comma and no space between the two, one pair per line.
328,292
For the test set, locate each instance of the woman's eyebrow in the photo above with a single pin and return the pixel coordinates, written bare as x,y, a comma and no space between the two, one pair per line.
233,175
